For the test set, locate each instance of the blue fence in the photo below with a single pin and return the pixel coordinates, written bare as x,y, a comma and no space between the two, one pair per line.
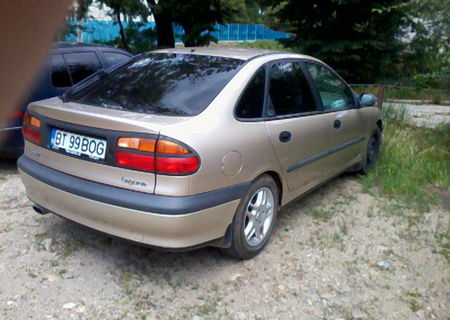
108,30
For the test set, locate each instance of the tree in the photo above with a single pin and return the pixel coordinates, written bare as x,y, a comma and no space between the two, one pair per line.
358,38
77,13
125,8
426,57
250,11
164,23
198,17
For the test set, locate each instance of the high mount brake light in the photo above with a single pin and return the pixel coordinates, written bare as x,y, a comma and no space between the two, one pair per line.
159,156
31,128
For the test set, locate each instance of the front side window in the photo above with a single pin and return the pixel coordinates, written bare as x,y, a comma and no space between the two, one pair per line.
251,103
161,83
60,75
82,64
335,94
289,91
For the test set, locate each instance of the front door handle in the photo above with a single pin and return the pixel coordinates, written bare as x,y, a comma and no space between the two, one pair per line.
285,136
337,124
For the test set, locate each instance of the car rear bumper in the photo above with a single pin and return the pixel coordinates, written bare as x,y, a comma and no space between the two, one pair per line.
161,221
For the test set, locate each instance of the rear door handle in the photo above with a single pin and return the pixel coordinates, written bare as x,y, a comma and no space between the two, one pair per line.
337,124
285,136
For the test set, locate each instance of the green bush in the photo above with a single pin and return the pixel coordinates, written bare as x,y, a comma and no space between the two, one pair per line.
263,44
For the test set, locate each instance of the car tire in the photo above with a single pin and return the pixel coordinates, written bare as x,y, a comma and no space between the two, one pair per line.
370,157
255,219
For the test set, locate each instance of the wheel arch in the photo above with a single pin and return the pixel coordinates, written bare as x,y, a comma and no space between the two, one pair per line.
380,125
277,178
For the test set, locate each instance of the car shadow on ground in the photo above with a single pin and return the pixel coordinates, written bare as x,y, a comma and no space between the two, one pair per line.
8,166
77,242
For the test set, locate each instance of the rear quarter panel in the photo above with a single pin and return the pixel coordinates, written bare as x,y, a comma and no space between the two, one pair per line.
231,151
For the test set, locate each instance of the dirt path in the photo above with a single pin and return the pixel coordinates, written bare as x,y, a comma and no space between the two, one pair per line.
339,253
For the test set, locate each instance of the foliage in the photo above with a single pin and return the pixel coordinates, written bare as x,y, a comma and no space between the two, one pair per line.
414,162
425,60
263,44
128,8
198,17
140,39
358,38
408,93
250,11
77,12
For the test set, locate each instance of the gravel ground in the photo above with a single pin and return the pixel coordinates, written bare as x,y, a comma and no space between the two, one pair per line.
423,115
339,253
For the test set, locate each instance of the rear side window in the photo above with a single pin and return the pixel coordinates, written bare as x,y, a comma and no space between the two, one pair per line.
82,64
335,94
60,75
161,83
113,58
289,90
252,100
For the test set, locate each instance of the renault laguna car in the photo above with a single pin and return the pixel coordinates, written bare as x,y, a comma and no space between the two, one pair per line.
182,148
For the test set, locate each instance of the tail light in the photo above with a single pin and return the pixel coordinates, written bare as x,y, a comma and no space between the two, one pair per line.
16,114
160,156
31,128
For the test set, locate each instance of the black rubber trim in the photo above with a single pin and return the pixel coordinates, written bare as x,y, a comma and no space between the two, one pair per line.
136,200
323,154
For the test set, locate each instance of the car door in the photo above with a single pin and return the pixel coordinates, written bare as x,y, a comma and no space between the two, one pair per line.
298,130
347,121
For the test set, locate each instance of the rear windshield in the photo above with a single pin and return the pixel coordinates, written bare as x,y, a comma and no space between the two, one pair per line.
160,83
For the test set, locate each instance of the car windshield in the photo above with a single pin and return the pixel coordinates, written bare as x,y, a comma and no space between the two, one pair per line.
160,83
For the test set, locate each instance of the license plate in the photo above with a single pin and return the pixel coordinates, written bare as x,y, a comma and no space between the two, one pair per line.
78,144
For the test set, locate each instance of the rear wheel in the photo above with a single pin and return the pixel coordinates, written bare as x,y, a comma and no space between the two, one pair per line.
254,219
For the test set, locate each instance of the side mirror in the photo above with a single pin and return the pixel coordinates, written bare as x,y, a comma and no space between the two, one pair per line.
367,100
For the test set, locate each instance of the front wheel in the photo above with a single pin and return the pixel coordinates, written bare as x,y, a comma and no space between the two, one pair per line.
254,219
372,152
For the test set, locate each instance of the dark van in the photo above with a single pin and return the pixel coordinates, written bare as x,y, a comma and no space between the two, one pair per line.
67,64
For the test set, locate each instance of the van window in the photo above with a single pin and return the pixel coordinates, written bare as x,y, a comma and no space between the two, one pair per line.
161,83
335,94
60,75
113,58
289,90
82,64
251,102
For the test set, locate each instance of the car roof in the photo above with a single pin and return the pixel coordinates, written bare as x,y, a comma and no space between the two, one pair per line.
80,46
236,53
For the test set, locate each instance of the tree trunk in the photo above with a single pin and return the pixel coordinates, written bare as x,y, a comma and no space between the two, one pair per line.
189,39
122,32
164,28
164,31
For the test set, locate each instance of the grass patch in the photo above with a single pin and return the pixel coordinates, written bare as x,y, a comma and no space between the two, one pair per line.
322,214
263,44
413,162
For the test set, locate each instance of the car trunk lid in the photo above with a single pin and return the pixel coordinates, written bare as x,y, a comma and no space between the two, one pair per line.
104,125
